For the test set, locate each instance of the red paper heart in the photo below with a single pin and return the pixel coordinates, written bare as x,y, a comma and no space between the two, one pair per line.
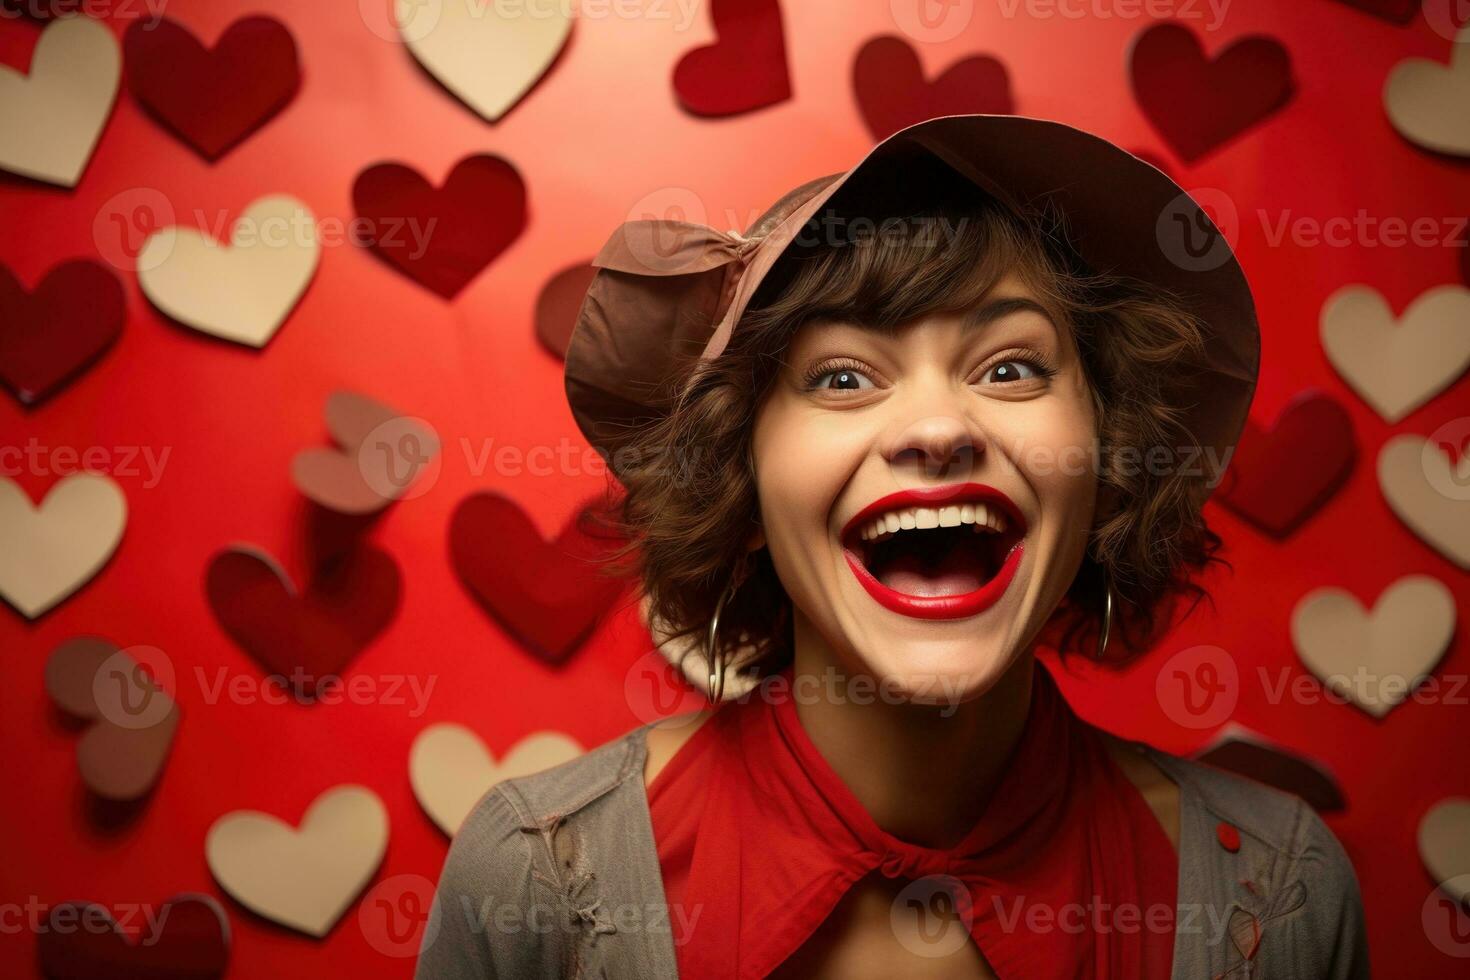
559,304
192,942
1280,476
442,238
1465,263
1198,104
307,639
548,595
892,92
1395,11
744,69
213,99
50,336
132,717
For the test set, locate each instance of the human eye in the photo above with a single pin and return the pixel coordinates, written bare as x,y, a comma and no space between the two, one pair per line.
839,375
1016,368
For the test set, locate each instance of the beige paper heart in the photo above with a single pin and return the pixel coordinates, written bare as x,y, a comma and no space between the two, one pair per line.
486,55
1444,845
48,552
303,878
1396,366
1375,659
51,119
687,653
450,768
242,291
1428,494
1426,100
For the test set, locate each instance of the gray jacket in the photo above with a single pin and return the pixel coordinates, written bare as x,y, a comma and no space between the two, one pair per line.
556,875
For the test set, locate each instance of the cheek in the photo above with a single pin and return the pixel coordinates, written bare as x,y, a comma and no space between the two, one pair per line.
802,461
1056,449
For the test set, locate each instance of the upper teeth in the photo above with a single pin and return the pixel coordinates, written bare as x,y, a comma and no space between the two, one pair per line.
979,516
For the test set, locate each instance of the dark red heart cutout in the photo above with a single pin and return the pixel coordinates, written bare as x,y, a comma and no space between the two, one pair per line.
559,305
50,336
188,939
441,238
1276,767
1465,263
744,69
306,639
892,92
1280,476
549,595
213,99
1197,104
1394,11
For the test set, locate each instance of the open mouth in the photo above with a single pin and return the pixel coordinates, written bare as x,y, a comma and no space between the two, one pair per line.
936,553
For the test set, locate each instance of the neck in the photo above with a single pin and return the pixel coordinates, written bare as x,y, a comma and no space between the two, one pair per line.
924,772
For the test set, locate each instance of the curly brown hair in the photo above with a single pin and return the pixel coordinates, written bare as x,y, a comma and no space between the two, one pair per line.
690,503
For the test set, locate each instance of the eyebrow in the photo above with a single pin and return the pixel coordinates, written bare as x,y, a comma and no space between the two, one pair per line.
998,308
973,319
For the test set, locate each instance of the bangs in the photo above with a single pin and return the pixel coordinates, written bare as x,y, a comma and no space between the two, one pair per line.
884,272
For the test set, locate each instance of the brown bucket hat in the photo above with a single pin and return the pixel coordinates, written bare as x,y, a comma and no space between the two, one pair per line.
667,292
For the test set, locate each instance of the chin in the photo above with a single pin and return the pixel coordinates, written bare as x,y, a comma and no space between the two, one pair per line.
938,670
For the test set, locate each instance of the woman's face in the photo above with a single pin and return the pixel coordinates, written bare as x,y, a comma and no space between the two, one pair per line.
927,496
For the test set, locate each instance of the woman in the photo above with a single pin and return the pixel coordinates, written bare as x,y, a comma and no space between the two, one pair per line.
922,417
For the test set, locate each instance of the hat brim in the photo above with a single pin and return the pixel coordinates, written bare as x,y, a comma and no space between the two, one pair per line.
637,335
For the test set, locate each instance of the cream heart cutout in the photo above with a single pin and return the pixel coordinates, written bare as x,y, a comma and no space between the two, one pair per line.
50,551
1396,366
688,654
51,119
1426,100
488,56
1444,845
303,878
1375,659
450,768
1428,494
242,291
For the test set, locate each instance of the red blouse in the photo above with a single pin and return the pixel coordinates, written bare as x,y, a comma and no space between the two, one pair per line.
1067,872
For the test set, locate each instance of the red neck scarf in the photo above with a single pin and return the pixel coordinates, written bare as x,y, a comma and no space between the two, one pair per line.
1067,872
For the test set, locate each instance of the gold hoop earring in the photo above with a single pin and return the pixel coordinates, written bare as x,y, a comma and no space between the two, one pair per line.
713,655
1107,624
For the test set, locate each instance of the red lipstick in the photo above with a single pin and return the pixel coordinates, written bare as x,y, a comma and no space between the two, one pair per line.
956,606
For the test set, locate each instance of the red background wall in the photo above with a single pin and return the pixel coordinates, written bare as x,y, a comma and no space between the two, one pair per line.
600,132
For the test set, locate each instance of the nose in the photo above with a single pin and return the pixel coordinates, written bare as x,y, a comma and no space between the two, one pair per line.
935,445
